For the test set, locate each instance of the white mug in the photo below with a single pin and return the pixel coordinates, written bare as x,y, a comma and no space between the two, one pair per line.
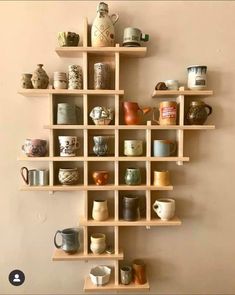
68,146
133,147
165,208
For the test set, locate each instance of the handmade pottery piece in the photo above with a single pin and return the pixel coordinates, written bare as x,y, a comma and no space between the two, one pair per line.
197,77
26,81
132,37
172,84
139,272
60,80
102,30
70,240
35,147
98,243
68,39
161,86
101,145
163,148
40,79
101,115
165,208
133,114
67,114
133,147
100,177
68,146
75,77
126,275
197,113
29,176
68,176
131,210
100,210
161,178
101,76
133,176
167,113
100,275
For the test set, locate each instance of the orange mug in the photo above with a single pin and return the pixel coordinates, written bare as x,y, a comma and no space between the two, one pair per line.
167,113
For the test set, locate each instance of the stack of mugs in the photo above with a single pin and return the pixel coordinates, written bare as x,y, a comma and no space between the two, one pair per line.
75,77
60,80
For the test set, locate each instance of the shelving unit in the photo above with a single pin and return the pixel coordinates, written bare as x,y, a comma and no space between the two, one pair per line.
86,96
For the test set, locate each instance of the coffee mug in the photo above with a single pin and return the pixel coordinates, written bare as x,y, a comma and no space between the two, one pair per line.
70,240
126,275
133,147
35,177
68,176
161,178
163,148
132,37
68,146
35,147
165,208
67,114
167,113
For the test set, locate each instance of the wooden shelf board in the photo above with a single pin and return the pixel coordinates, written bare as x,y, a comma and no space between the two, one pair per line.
60,255
169,159
182,127
54,188
103,158
77,51
89,286
157,93
142,222
69,92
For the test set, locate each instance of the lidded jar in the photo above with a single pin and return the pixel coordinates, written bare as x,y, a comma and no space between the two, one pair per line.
40,79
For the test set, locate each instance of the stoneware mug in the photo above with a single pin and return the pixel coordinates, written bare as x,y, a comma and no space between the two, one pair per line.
67,114
197,77
163,148
133,147
132,37
35,147
70,240
35,177
161,178
68,146
126,274
167,113
165,208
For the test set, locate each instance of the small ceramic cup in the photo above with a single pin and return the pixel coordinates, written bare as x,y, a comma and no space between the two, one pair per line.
161,178
68,176
164,208
70,240
100,177
68,146
126,274
172,84
163,148
133,147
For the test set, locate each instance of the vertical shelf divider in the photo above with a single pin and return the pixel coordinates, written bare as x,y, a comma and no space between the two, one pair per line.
51,144
148,171
180,133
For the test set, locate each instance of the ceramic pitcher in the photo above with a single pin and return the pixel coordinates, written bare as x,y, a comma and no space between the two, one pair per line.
102,31
133,114
198,113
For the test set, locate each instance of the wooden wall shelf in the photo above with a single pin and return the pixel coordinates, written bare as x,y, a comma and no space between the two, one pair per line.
159,93
68,92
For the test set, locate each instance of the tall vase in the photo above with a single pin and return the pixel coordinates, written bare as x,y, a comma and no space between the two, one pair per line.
40,79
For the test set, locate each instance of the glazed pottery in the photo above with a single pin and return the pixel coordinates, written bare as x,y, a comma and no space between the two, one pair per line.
60,80
101,145
100,275
101,115
132,37
161,178
68,176
100,177
100,210
68,39
133,114
197,77
172,84
133,176
131,210
26,81
133,147
126,275
67,113
35,147
29,176
167,113
68,146
102,30
40,79
101,76
70,240
163,148
198,113
75,77
165,208
139,272
98,244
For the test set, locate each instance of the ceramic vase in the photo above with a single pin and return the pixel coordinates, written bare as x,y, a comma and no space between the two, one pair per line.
101,145
26,81
40,79
98,243
100,210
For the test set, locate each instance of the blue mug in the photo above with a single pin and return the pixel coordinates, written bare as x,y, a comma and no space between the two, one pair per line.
163,148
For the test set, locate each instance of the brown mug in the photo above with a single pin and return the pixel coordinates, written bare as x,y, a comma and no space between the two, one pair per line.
139,272
167,113
100,177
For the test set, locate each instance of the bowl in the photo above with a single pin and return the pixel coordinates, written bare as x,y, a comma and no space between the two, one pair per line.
100,275
68,39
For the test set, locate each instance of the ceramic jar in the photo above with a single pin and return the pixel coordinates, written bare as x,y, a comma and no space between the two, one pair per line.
98,243
26,81
60,80
75,77
197,77
67,114
132,176
40,79
101,145
101,76
68,176
133,114
131,210
102,30
100,177
133,147
198,113
35,147
101,115
100,210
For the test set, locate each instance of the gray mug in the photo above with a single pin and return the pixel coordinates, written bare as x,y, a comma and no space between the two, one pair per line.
35,177
70,240
67,114
163,148
126,275
132,37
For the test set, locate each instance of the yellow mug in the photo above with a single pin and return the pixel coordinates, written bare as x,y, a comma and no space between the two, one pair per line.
167,113
161,178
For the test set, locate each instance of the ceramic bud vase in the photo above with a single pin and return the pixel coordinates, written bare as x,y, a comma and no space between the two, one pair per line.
98,244
40,79
133,176
131,210
100,210
101,145
102,31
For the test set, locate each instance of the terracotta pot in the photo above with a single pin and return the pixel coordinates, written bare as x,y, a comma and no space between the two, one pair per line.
133,114
100,177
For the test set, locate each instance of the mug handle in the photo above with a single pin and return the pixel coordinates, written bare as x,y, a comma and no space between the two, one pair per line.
58,232
173,149
144,37
25,178
154,115
209,108
114,18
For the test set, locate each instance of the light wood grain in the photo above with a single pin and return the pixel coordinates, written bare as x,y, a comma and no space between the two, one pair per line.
69,92
157,93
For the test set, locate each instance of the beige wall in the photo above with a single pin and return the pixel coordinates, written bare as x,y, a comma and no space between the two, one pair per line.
196,258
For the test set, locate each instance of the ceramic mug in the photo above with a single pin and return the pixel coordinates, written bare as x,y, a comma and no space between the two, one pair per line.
68,176
126,274
98,243
133,176
100,210
67,113
101,76
139,272
100,177
70,240
29,176
68,146
35,147
172,84
163,148
167,113
165,208
197,77
132,37
161,178
133,147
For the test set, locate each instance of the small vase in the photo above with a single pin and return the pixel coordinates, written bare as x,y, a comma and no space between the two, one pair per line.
100,177
26,81
101,145
98,244
133,176
40,80
131,210
100,210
